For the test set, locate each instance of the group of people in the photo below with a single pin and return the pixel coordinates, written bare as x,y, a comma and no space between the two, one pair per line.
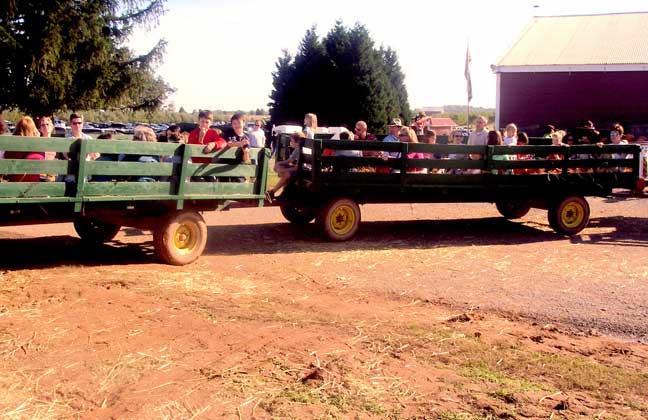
42,127
211,138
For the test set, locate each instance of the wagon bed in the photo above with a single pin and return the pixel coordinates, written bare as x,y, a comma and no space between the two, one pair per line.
101,196
556,178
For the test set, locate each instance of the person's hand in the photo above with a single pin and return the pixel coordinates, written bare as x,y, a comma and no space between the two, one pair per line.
209,147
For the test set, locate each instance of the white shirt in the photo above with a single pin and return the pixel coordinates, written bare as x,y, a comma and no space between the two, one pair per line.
478,138
257,138
509,141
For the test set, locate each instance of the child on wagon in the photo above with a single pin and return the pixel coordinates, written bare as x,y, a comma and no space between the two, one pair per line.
287,169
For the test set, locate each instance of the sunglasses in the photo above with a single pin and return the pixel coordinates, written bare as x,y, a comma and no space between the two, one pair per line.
77,123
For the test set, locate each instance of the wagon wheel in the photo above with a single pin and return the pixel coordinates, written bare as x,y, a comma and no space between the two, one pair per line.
513,209
569,215
95,231
340,219
181,238
299,215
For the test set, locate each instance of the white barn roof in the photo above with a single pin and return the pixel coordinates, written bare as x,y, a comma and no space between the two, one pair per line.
610,42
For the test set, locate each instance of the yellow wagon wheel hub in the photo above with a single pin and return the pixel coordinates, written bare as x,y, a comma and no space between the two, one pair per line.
342,220
572,215
185,237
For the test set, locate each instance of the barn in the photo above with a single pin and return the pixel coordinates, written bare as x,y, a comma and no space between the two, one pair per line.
565,70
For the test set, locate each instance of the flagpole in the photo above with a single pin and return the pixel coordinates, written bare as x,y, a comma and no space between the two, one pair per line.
468,82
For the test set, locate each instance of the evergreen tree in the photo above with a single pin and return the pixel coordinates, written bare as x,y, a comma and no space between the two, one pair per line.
342,79
397,80
70,54
281,96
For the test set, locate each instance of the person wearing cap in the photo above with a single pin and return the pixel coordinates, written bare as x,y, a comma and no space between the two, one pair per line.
394,130
392,137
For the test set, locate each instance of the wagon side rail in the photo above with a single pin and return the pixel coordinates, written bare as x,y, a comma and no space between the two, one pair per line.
81,180
596,169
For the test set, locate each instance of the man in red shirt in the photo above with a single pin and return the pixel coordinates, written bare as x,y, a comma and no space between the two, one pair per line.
206,136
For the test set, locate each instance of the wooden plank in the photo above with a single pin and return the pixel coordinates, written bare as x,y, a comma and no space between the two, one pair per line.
220,188
123,188
221,170
129,168
131,147
23,166
32,189
35,144
80,174
346,162
262,175
569,163
183,177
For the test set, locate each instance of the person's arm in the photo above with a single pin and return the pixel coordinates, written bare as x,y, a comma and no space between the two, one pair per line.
213,142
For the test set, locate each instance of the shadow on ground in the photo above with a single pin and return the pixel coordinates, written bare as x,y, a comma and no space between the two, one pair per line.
55,251
284,238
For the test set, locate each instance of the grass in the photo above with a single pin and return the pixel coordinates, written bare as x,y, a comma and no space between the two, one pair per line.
481,371
446,415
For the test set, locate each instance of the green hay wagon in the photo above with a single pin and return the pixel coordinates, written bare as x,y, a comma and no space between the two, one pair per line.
101,196
330,188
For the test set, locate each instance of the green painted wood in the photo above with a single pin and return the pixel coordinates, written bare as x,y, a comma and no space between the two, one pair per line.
569,163
350,162
394,180
22,166
127,188
32,189
262,175
222,188
80,173
35,144
221,170
131,147
183,177
129,168
34,200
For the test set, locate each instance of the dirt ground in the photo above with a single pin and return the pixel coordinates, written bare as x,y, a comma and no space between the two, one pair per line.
432,312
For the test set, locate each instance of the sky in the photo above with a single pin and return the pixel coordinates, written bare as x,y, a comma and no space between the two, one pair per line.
221,53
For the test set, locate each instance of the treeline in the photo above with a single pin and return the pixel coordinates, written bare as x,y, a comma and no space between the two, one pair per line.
156,117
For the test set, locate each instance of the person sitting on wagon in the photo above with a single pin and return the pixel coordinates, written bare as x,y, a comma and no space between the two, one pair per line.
143,133
495,139
392,137
510,139
361,134
616,137
344,136
25,127
456,138
287,169
408,135
208,137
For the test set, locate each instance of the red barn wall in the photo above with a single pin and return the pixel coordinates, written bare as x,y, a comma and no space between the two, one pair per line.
566,100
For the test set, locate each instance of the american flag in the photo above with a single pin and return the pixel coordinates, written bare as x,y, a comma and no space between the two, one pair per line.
467,74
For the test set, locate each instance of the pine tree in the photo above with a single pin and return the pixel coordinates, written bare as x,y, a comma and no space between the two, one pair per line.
281,96
397,80
342,79
70,54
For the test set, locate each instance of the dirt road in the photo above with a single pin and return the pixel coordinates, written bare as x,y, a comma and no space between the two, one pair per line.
110,333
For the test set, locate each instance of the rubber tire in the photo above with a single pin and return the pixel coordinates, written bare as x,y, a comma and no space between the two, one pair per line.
298,215
339,219
170,246
569,215
513,209
95,231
